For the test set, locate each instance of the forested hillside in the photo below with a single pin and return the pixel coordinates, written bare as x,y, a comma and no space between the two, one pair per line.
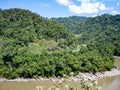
70,22
33,46
104,29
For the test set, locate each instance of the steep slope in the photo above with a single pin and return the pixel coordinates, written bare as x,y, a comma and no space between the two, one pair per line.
26,27
25,35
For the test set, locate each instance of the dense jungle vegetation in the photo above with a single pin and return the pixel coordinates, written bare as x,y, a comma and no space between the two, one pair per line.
70,22
104,29
33,46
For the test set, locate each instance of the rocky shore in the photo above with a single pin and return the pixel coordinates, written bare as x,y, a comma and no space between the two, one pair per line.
85,76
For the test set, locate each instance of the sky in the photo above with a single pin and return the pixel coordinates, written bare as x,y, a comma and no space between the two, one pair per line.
65,8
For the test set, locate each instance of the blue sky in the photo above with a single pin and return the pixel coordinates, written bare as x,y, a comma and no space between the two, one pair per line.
64,8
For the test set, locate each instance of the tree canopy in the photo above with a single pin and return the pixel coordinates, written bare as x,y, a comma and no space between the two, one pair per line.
71,22
33,46
103,29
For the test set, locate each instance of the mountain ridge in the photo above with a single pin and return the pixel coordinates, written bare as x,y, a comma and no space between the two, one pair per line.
94,29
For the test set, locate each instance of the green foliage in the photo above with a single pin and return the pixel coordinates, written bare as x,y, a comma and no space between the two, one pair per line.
32,46
103,30
70,22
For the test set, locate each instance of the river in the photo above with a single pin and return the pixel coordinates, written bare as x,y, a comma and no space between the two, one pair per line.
109,83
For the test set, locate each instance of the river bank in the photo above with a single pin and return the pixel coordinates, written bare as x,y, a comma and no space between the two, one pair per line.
85,76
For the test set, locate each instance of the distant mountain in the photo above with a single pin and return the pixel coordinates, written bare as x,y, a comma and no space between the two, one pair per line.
104,29
70,22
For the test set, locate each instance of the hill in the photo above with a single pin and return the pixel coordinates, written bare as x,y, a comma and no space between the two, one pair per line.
70,22
33,46
104,29
24,35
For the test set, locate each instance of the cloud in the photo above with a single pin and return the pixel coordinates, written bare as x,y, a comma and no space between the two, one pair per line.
45,4
85,7
94,15
63,2
114,12
84,0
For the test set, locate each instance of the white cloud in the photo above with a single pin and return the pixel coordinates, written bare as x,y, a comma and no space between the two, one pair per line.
87,0
103,7
84,0
85,7
94,15
45,4
63,2
114,12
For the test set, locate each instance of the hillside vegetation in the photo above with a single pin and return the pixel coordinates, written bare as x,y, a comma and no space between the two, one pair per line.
100,30
71,22
103,29
33,46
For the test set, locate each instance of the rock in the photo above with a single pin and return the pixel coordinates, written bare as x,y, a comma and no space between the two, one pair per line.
40,87
98,88
71,73
53,88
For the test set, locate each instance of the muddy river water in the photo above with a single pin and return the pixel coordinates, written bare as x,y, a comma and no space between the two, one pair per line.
109,83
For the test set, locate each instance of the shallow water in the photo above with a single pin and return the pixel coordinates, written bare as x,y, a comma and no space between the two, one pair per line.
109,83
32,85
113,85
